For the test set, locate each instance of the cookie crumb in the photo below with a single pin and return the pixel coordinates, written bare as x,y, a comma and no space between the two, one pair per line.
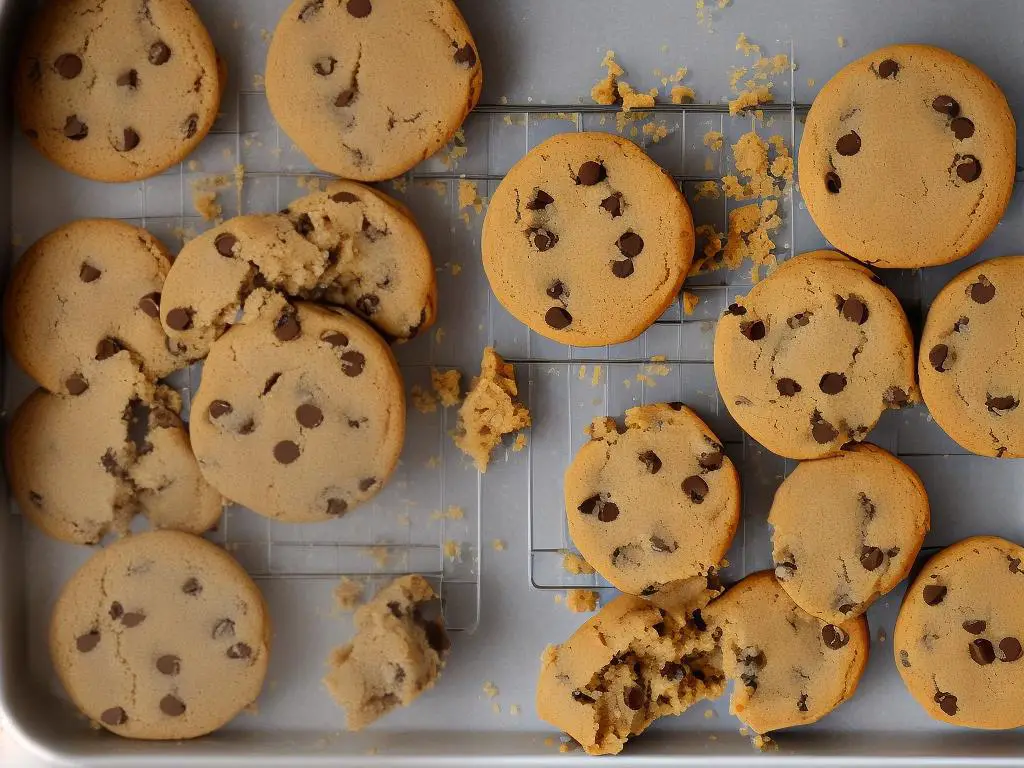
403,519
380,555
744,44
423,400
605,91
348,594
446,386
455,150
690,302
452,513
439,335
496,708
765,743
810,82
682,94
433,462
841,41
882,637
710,714
490,689
557,597
453,550
656,131
455,268
595,379
401,184
520,442
750,98
549,655
514,710
581,600
499,545
439,187
549,742
714,140
582,372
575,564
707,190
469,197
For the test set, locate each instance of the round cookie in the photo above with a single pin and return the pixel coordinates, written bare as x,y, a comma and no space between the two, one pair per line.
587,240
654,506
117,90
908,157
369,88
846,530
300,415
789,667
971,363
812,356
959,634
83,466
83,292
161,636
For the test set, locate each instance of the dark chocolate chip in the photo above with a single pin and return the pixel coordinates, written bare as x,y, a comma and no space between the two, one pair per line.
607,512
130,140
192,587
623,269
895,397
582,698
651,461
368,305
982,291
1014,564
219,408
88,273
179,319
613,204
946,702
150,304
310,10
225,244
240,651
191,126
35,498
540,201
325,65
630,245
888,68
367,483
345,197
558,318
168,665
304,225
68,66
466,56
129,79
938,356
556,290
737,310
855,310
159,53
696,488
1009,648
286,452
286,327
849,144
834,637
334,338
107,348
959,325
947,105
710,461
801,703
658,544
787,387
337,507
799,320
359,8
672,671
962,128
88,641
634,698
832,383
833,183
822,431
353,363
223,628
981,651
172,706
753,330
542,239
114,716
75,129
345,98
1001,403
309,416
975,626
871,557
591,173
132,620
968,168
933,594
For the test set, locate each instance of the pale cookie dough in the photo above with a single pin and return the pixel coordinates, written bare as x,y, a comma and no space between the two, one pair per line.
653,506
369,88
624,668
300,415
587,240
82,466
847,529
490,410
908,157
398,652
789,667
811,357
84,292
117,90
971,361
161,636
959,634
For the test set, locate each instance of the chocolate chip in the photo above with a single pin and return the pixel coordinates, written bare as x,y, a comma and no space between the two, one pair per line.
88,273
975,626
558,318
116,611
787,387
1010,649
968,168
114,716
345,197
871,557
68,66
325,66
960,324
367,483
947,105
310,10
946,702
353,363
650,460
304,225
962,128
172,706
132,620
834,637
150,304
982,291
1014,564
191,126
785,570
736,310
334,338
710,461
286,327
466,56
676,405
832,383
192,587
129,79
225,244
368,305
938,356
107,348
556,290
822,431
591,173
219,408
345,98
35,498
582,698
1001,403
658,544
801,703
634,698
622,269
905,659
630,245
223,628
168,665
159,53
542,239
753,330
833,183
608,512
286,452
599,506
848,145
888,68
895,397
359,8
88,641
309,416
613,204
239,651
934,594
799,320
671,670
75,129
855,310
695,487
540,201
179,319
981,651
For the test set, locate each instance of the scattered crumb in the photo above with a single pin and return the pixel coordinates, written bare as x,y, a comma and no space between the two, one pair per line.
744,44
549,654
712,737
750,98
583,372
456,149
690,302
423,400
557,597
498,545
439,334
496,708
433,462
581,600
515,119
193,165
453,550
564,748
380,555
744,731
682,94
372,751
549,742
258,81
401,184
656,131
707,190
438,186
810,82
519,443
605,91
595,379
841,41
765,743
265,35
455,268
452,513
882,637
403,519
575,564
514,710
348,594
490,689
309,183
709,714
446,386
570,117
468,196
714,140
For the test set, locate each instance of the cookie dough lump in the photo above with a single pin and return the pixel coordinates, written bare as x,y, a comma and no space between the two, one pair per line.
490,410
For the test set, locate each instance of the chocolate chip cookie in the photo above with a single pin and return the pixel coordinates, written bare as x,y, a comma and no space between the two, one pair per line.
83,293
653,506
960,631
871,514
161,636
908,157
624,668
789,667
117,90
83,465
587,241
369,88
971,365
812,356
398,652
300,415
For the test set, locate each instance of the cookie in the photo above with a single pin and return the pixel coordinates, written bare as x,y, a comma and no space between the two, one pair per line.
161,636
970,364
628,665
654,505
117,90
490,411
398,652
811,357
587,240
83,292
959,632
300,415
369,88
82,466
908,157
788,667
870,515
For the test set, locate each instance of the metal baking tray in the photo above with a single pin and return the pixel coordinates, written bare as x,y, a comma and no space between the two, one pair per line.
540,59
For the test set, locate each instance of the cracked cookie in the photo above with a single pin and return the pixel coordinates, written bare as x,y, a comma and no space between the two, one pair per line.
908,157
490,410
83,465
959,632
628,665
789,667
82,293
300,415
369,88
587,240
871,514
161,636
398,652
970,365
653,506
811,357
117,90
